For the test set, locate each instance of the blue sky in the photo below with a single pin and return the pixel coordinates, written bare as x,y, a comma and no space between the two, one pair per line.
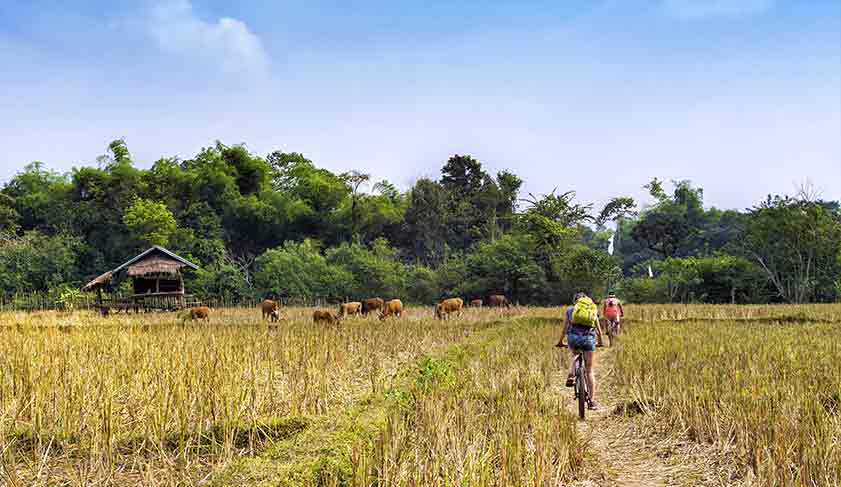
741,96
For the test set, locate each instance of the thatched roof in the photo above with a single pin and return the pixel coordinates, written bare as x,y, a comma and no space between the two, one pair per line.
162,252
156,264
154,261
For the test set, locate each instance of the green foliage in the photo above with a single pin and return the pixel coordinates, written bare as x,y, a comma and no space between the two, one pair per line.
68,296
373,271
553,220
796,244
425,236
587,269
223,281
640,290
252,224
151,223
422,284
504,266
37,262
621,207
297,269
680,276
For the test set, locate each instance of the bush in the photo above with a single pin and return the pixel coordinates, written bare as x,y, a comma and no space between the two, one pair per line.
298,270
422,285
373,272
640,290
221,281
36,262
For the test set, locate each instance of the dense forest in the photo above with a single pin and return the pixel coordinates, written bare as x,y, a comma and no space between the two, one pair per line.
281,226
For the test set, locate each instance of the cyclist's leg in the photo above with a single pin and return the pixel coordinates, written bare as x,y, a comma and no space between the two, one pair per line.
590,361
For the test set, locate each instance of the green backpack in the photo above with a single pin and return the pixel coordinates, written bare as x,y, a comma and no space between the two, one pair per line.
584,312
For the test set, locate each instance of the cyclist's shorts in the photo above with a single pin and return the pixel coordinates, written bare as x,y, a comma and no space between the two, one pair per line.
580,339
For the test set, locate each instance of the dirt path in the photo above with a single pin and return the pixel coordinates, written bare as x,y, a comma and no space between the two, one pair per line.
627,453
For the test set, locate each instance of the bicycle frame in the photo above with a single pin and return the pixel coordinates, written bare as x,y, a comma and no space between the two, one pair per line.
582,392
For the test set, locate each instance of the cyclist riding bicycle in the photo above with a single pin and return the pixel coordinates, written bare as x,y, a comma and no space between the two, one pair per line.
583,332
612,311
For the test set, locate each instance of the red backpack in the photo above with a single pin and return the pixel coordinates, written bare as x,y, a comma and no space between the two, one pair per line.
611,310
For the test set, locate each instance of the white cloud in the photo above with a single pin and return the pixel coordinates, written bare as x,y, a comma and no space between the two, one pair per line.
227,43
696,9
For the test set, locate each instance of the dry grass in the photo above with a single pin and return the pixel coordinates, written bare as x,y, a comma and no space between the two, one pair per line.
767,312
142,399
766,396
493,420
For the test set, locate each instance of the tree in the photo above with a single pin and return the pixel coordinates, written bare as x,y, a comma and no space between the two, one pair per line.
680,276
507,266
319,191
9,217
37,262
617,208
118,154
425,226
796,243
297,269
728,279
553,218
37,199
150,223
462,175
374,271
220,281
664,231
354,180
588,269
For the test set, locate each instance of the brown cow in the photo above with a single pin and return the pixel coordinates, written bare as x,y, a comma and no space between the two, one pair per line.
324,316
372,304
195,314
354,308
448,306
498,301
476,303
271,309
392,308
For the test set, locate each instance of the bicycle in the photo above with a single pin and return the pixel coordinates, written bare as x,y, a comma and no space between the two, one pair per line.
582,392
613,330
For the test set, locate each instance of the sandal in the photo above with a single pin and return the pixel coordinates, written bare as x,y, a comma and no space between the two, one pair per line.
570,380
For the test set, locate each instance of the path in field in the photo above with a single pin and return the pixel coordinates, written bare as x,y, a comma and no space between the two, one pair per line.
628,455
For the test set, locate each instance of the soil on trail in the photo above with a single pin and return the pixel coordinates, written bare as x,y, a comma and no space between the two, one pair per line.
627,453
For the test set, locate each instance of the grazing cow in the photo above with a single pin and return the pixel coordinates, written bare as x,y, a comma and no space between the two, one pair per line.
447,307
271,310
324,316
392,308
476,303
196,314
498,301
372,304
354,308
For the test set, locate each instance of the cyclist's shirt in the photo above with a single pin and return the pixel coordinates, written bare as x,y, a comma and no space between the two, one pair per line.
611,308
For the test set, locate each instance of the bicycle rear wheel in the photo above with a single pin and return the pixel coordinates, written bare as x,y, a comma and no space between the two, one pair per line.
581,390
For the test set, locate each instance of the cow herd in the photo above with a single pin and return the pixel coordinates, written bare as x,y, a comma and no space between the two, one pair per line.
385,309
394,308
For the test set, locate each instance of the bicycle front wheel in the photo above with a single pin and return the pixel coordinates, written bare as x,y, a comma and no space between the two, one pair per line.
581,390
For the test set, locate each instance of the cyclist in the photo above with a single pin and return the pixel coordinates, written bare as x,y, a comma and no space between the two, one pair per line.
582,338
612,311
